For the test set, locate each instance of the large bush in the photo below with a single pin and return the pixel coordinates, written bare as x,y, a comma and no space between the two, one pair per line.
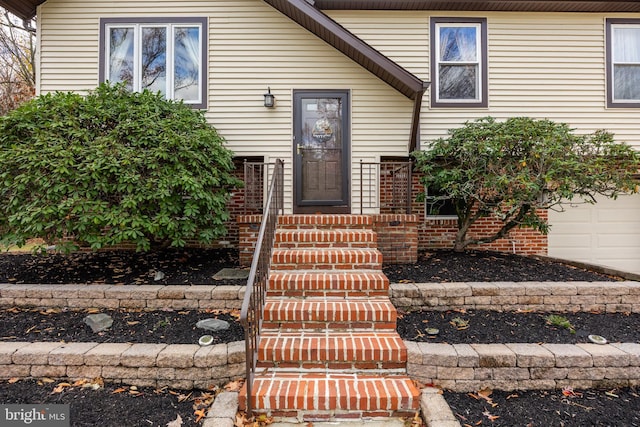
110,167
510,170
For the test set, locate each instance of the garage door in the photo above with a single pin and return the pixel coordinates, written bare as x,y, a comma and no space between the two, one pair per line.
607,233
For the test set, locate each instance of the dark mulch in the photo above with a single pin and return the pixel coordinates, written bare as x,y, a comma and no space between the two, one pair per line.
166,327
547,408
102,407
487,266
486,327
110,405
179,266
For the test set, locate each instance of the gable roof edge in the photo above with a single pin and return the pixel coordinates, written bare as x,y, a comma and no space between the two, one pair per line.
325,28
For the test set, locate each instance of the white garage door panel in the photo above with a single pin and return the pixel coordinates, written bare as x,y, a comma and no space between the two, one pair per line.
618,241
607,233
576,241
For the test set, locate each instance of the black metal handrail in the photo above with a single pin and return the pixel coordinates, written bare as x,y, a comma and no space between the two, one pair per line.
254,297
386,186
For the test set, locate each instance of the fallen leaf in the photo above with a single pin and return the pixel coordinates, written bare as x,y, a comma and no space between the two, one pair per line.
485,393
13,380
200,414
133,322
184,397
234,385
175,423
569,392
491,418
47,380
118,390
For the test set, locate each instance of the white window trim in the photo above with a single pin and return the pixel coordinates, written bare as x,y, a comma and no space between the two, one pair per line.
613,63
482,60
477,62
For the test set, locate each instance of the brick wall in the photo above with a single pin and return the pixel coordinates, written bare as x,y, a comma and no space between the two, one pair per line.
397,237
439,233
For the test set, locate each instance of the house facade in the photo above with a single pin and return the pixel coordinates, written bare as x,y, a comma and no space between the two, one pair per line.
362,82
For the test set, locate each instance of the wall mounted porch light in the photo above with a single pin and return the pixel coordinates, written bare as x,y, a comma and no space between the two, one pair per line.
269,99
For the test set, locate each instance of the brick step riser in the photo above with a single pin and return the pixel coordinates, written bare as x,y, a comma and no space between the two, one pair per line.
325,222
327,267
324,314
342,350
327,293
330,259
329,326
318,281
325,393
377,367
325,239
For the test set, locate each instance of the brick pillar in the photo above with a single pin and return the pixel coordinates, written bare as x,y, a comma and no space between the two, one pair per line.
248,229
397,237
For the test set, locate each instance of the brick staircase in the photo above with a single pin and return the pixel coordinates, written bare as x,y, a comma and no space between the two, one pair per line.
328,349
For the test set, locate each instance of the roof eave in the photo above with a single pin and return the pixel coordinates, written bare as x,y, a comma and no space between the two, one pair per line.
23,9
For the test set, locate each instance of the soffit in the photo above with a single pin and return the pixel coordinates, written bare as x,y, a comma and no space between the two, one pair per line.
24,9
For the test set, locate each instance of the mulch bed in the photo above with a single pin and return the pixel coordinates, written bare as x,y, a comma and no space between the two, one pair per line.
129,326
487,327
545,408
95,404
120,267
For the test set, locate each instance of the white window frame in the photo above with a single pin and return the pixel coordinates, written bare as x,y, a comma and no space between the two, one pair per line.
479,24
611,26
170,24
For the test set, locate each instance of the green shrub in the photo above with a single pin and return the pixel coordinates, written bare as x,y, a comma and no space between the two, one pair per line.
510,170
110,167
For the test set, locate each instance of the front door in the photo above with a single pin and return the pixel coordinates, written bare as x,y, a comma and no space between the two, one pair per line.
321,151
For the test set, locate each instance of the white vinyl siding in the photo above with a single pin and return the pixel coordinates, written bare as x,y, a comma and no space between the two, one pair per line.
251,46
540,65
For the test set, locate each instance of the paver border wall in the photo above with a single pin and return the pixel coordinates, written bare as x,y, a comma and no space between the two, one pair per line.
179,366
609,297
457,367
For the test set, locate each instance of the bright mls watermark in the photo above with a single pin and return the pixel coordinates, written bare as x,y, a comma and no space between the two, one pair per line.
34,415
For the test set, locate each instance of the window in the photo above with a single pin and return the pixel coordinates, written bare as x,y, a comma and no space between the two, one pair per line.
436,204
458,62
167,55
623,63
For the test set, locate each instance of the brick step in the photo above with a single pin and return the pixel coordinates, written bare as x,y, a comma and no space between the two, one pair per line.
329,313
325,239
319,397
309,283
350,351
312,221
326,259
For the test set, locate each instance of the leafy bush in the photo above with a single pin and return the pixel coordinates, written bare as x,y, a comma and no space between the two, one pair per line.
110,167
508,170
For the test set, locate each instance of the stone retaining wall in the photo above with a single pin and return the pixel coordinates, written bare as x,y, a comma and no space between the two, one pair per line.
178,297
459,367
609,297
180,366
471,367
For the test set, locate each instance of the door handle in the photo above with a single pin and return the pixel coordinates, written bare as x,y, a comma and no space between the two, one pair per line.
299,149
